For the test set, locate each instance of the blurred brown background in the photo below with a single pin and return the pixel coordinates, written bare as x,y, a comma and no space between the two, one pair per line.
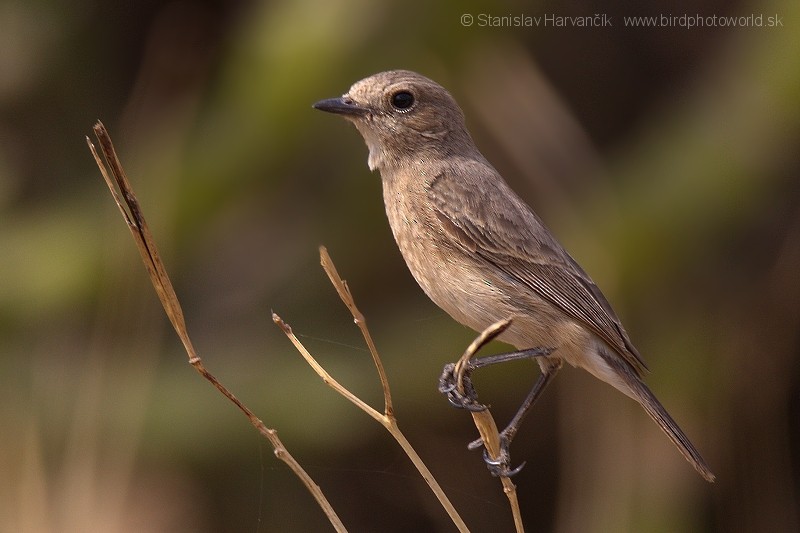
666,160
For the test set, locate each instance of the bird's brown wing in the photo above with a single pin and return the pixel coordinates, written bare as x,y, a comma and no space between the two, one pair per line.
489,221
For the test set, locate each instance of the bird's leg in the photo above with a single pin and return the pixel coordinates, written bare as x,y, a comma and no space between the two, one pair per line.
511,429
500,466
507,435
448,382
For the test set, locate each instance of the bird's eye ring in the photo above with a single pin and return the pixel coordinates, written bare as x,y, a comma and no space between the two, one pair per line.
402,100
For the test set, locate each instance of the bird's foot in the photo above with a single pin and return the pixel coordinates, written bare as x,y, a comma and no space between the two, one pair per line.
500,466
449,386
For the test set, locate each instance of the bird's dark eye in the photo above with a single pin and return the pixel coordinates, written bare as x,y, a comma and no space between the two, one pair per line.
402,100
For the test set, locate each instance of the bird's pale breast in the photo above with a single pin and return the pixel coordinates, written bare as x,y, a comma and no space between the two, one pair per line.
465,288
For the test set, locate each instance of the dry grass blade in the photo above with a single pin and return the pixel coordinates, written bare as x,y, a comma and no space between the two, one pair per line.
484,421
131,212
117,181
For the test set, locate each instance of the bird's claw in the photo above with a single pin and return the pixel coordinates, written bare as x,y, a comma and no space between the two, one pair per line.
448,385
474,445
499,467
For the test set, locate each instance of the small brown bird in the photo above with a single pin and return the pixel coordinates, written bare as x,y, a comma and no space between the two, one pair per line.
478,251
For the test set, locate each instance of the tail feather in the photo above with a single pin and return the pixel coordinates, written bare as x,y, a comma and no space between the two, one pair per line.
661,417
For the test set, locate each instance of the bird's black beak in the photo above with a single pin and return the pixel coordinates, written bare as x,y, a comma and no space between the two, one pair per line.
341,106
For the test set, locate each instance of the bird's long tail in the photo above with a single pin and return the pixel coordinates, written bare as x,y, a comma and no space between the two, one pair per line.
661,417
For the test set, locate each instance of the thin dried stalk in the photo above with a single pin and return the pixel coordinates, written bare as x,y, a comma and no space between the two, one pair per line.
484,421
129,207
347,297
387,419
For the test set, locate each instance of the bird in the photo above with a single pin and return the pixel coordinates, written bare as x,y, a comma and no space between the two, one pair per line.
479,252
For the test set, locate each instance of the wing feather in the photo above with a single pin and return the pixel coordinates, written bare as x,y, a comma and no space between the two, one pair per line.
512,239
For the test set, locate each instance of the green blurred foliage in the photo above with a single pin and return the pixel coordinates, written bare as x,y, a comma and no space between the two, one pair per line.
665,158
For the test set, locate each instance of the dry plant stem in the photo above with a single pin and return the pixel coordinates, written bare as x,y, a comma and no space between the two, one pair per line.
346,296
321,372
124,197
387,419
484,421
